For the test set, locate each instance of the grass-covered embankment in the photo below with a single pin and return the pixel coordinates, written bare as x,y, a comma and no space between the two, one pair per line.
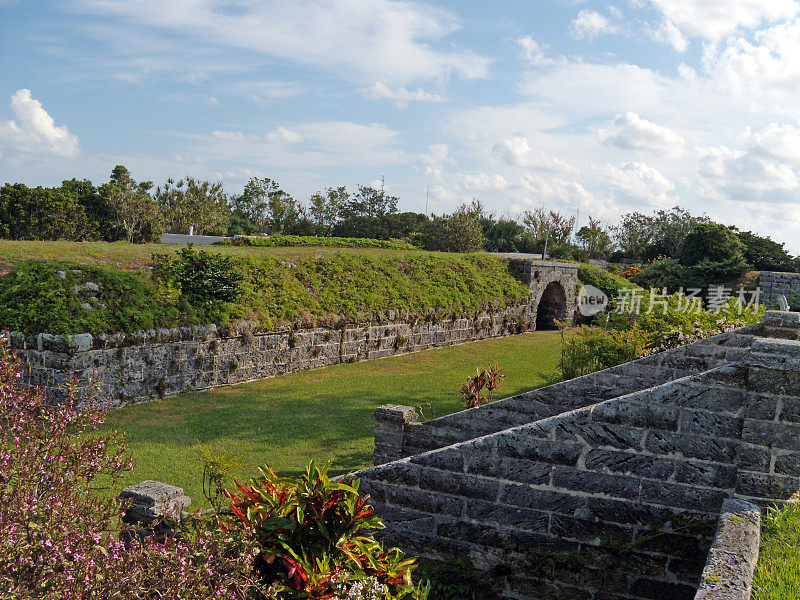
286,421
778,571
316,241
342,287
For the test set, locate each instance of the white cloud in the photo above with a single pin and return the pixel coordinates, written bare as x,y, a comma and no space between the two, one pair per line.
768,64
531,51
308,145
766,166
558,192
667,32
517,152
401,96
267,91
631,132
715,19
34,131
637,182
376,40
589,24
283,135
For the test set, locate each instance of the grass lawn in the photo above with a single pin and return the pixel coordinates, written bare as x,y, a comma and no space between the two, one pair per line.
325,414
778,572
134,257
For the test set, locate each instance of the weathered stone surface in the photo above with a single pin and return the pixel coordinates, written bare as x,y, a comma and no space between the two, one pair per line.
149,502
729,570
644,474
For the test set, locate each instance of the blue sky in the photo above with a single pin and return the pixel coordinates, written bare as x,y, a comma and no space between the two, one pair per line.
597,107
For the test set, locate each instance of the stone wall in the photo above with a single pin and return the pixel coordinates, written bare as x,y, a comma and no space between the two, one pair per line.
398,435
731,564
153,364
146,365
618,499
774,284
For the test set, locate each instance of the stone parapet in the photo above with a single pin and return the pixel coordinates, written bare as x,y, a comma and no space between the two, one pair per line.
731,563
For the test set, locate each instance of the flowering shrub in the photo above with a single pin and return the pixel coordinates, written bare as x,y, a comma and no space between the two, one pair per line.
314,540
60,534
631,271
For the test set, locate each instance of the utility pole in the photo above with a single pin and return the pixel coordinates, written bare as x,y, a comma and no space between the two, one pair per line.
427,197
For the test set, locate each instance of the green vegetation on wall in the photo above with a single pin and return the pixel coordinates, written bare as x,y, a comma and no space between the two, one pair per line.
313,240
336,289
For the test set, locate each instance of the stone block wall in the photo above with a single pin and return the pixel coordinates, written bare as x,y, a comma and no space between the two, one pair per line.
731,564
396,439
149,365
615,500
774,284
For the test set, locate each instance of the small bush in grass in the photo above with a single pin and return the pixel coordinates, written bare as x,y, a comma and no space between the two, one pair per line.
315,539
472,392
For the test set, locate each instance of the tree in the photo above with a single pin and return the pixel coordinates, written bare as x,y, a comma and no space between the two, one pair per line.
264,204
133,214
714,254
42,214
368,202
648,237
190,202
765,254
94,207
324,208
634,234
458,232
594,239
713,242
549,225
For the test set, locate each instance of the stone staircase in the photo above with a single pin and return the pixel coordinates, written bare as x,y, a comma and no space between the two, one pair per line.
414,438
606,487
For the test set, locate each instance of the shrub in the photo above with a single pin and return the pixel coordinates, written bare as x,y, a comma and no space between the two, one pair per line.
609,283
204,278
488,379
567,251
591,349
315,537
459,232
61,532
58,298
667,273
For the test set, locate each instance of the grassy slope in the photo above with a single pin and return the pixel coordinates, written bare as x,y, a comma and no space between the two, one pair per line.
134,257
325,414
778,573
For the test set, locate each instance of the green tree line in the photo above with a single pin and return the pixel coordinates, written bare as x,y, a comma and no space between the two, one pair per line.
138,211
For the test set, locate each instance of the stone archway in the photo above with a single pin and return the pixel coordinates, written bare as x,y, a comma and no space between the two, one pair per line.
552,306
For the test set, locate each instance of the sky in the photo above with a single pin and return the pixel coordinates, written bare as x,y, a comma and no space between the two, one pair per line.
591,108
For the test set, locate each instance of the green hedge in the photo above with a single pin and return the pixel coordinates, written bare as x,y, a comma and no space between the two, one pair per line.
311,240
341,288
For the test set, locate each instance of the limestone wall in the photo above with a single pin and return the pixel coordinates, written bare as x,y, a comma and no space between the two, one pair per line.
152,364
615,500
413,438
774,284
